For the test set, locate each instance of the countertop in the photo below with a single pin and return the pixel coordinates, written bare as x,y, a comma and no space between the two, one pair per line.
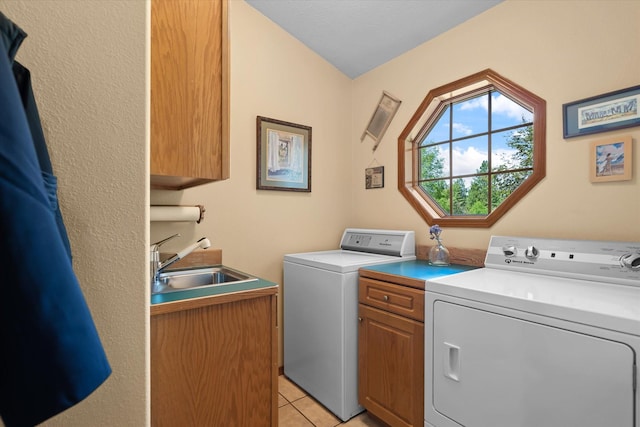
203,259
411,273
211,291
174,301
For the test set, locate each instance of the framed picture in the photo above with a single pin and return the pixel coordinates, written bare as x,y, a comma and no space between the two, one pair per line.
611,159
381,118
602,113
374,177
284,156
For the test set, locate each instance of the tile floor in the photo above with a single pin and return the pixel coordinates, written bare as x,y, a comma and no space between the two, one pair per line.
297,409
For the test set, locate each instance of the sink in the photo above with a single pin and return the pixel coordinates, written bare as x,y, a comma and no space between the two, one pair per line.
197,278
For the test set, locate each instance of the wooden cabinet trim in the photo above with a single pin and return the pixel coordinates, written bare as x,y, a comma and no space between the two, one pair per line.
461,256
226,94
199,258
275,371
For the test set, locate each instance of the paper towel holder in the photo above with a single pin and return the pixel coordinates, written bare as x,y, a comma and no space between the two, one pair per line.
177,213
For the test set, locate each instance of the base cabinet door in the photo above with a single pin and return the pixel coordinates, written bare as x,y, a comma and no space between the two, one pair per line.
391,367
215,365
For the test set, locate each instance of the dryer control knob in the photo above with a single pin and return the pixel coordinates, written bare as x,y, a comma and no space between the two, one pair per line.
531,252
509,250
631,261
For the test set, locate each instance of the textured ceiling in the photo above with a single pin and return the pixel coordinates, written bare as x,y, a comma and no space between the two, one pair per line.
356,36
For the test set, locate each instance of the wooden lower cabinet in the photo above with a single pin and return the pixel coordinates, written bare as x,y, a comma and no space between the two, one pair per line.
391,353
215,363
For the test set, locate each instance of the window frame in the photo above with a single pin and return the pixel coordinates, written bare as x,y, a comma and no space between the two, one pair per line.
428,112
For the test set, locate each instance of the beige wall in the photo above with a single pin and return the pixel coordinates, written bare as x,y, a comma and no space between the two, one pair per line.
562,51
273,75
87,60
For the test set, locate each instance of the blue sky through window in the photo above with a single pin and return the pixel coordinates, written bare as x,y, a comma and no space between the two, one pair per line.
471,117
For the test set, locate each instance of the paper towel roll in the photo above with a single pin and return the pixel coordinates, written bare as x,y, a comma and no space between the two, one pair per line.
177,213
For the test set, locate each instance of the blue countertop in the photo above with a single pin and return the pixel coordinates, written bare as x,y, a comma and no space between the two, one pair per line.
418,269
211,291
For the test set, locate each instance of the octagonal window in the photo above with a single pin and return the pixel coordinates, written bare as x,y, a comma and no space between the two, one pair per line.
472,149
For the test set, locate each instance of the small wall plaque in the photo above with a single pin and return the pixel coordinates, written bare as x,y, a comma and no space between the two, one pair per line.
374,177
611,159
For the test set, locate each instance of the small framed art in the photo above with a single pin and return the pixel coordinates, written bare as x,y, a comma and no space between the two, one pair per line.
611,160
602,113
374,177
284,155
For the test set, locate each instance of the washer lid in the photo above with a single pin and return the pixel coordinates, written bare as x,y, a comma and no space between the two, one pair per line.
606,305
341,261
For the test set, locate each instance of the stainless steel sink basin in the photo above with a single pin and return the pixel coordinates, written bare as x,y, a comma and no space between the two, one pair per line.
197,278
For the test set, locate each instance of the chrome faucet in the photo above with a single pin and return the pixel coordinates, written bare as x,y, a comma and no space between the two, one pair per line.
158,266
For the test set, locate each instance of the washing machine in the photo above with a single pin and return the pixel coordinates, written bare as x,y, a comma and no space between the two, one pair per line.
321,311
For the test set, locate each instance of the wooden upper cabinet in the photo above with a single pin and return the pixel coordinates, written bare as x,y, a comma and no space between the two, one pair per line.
189,93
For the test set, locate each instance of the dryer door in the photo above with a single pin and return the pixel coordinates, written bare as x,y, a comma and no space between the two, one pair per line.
492,370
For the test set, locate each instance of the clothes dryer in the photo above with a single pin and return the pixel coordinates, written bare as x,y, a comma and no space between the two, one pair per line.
547,334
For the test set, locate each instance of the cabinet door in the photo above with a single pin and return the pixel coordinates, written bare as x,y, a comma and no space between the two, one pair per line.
391,367
215,365
189,92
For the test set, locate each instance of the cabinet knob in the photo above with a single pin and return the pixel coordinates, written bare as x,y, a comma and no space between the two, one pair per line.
359,319
386,297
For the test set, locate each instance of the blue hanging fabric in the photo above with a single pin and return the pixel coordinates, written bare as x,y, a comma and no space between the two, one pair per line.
23,79
52,357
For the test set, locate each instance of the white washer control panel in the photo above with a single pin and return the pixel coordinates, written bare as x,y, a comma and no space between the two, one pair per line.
615,262
385,242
